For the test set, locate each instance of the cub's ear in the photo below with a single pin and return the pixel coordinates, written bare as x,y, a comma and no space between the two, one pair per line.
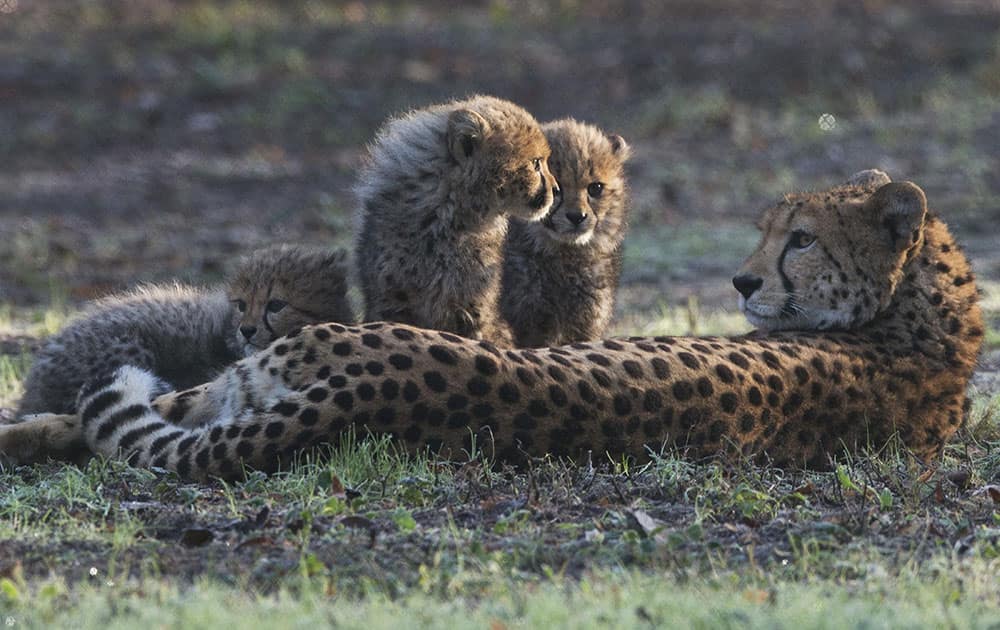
619,147
900,208
870,178
466,130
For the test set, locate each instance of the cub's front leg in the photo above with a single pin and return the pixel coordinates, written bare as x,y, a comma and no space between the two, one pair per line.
42,436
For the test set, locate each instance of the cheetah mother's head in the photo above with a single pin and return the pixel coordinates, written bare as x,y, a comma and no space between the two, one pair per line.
832,259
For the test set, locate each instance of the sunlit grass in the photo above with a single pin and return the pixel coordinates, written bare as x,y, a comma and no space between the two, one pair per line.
13,369
688,319
486,596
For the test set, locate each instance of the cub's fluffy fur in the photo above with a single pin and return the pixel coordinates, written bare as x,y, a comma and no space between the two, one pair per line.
435,194
184,334
560,274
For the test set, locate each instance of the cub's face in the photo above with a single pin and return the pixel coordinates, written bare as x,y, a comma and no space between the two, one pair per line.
264,314
590,168
831,260
503,157
530,187
280,289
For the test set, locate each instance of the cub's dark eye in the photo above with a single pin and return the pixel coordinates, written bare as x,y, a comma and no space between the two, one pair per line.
801,239
595,189
241,306
273,306
537,163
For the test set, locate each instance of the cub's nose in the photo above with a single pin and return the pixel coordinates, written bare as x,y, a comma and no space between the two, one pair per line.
576,217
248,331
747,283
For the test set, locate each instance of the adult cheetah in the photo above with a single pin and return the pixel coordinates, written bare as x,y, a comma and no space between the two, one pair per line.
906,296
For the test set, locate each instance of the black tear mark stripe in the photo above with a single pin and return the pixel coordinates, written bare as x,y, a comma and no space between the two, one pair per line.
786,283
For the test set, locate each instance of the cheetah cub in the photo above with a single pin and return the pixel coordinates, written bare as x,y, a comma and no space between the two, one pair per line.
184,334
560,274
435,194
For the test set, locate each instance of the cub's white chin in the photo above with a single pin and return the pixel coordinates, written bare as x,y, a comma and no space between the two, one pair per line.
249,349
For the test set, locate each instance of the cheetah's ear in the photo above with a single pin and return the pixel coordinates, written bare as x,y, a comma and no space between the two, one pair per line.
619,147
870,178
466,130
900,208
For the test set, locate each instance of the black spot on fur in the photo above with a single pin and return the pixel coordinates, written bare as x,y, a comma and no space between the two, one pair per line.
602,377
411,391
660,367
309,416
632,368
705,387
400,361
317,394
622,405
509,393
365,391
725,374
402,334
443,354
478,386
689,360
486,365
285,408
344,400
274,429
682,390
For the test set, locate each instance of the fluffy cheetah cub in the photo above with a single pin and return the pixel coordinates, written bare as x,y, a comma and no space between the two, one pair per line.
560,274
185,335
435,194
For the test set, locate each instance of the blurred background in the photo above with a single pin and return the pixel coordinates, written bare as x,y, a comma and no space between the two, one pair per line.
151,139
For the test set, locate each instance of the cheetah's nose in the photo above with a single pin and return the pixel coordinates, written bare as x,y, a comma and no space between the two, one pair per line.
747,283
576,217
248,331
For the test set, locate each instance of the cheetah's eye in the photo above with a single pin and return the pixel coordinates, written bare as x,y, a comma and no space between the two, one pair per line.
241,306
801,239
595,189
537,163
273,306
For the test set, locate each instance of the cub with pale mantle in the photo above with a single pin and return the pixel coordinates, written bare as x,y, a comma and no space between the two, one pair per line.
186,335
435,194
560,274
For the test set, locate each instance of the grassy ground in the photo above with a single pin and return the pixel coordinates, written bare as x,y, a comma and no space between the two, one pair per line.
148,140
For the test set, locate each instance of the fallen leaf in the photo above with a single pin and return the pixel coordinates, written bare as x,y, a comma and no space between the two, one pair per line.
938,492
992,491
807,488
337,487
196,536
959,477
756,596
647,524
